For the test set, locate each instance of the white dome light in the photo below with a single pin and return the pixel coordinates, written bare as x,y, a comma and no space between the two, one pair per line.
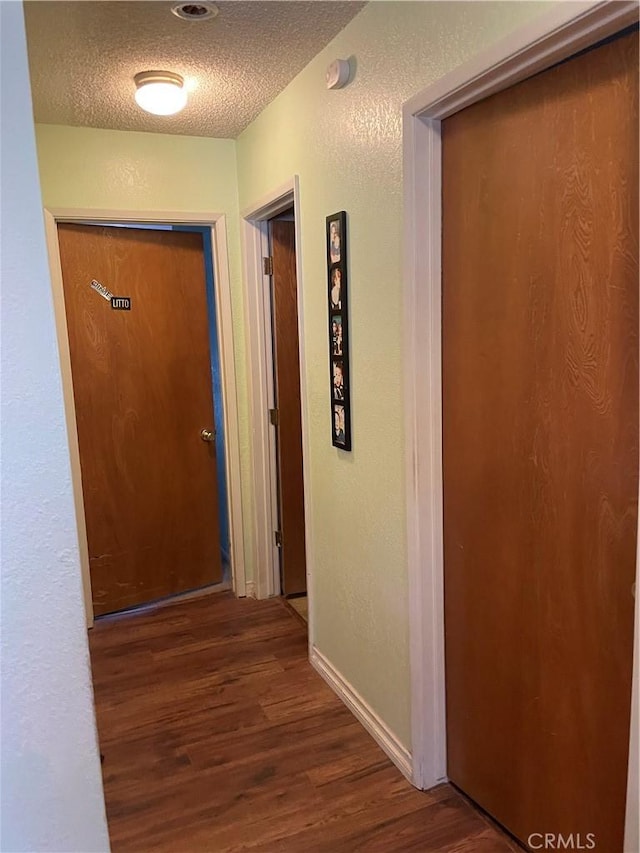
160,92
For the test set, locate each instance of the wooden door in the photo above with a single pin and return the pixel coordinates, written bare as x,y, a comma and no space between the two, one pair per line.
142,388
289,427
540,407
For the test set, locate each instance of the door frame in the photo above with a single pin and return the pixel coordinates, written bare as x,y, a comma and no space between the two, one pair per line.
558,34
222,293
255,246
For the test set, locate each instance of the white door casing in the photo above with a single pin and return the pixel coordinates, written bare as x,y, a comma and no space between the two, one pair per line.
260,369
217,223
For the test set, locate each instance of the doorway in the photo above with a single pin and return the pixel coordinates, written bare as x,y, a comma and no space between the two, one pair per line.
275,323
536,47
540,444
195,507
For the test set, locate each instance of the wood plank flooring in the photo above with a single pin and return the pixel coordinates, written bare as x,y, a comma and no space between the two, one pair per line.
218,736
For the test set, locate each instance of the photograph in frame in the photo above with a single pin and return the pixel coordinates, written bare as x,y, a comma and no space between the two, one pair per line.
335,292
338,379
339,435
335,240
336,334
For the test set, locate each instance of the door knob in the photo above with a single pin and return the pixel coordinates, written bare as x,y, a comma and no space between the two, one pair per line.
207,435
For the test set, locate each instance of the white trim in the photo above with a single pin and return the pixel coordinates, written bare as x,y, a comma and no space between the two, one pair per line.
222,292
274,202
423,413
632,819
260,371
378,730
562,31
217,223
51,235
260,397
251,589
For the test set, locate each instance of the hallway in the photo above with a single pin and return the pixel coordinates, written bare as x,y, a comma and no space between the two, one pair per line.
219,736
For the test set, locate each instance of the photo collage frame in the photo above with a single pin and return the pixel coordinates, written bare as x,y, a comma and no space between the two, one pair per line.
338,330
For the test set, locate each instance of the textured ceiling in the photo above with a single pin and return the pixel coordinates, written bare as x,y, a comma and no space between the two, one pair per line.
83,56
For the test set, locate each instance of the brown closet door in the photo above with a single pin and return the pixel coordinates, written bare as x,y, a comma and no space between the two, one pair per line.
540,373
143,392
289,430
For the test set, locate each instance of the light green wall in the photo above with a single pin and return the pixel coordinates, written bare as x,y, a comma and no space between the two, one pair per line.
86,167
346,147
109,169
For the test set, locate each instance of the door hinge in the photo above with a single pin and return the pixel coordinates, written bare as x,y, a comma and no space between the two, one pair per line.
277,535
268,266
273,417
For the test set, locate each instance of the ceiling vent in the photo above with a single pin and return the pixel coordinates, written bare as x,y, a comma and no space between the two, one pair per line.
195,11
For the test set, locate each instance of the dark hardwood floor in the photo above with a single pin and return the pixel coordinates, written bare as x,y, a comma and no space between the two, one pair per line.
219,736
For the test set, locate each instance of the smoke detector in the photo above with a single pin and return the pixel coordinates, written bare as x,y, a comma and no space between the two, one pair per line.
337,74
195,11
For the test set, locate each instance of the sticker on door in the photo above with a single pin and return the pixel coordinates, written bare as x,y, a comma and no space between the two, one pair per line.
121,303
101,289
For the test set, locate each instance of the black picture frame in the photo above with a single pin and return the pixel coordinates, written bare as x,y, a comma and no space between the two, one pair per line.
338,302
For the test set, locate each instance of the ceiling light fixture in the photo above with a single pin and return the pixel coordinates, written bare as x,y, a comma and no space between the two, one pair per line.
160,92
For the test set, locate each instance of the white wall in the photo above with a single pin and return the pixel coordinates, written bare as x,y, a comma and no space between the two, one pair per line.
51,783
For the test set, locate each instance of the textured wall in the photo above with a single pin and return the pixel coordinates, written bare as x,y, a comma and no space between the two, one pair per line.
51,782
110,169
346,147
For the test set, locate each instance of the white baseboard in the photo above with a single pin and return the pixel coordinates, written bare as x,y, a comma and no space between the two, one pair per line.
378,730
250,589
